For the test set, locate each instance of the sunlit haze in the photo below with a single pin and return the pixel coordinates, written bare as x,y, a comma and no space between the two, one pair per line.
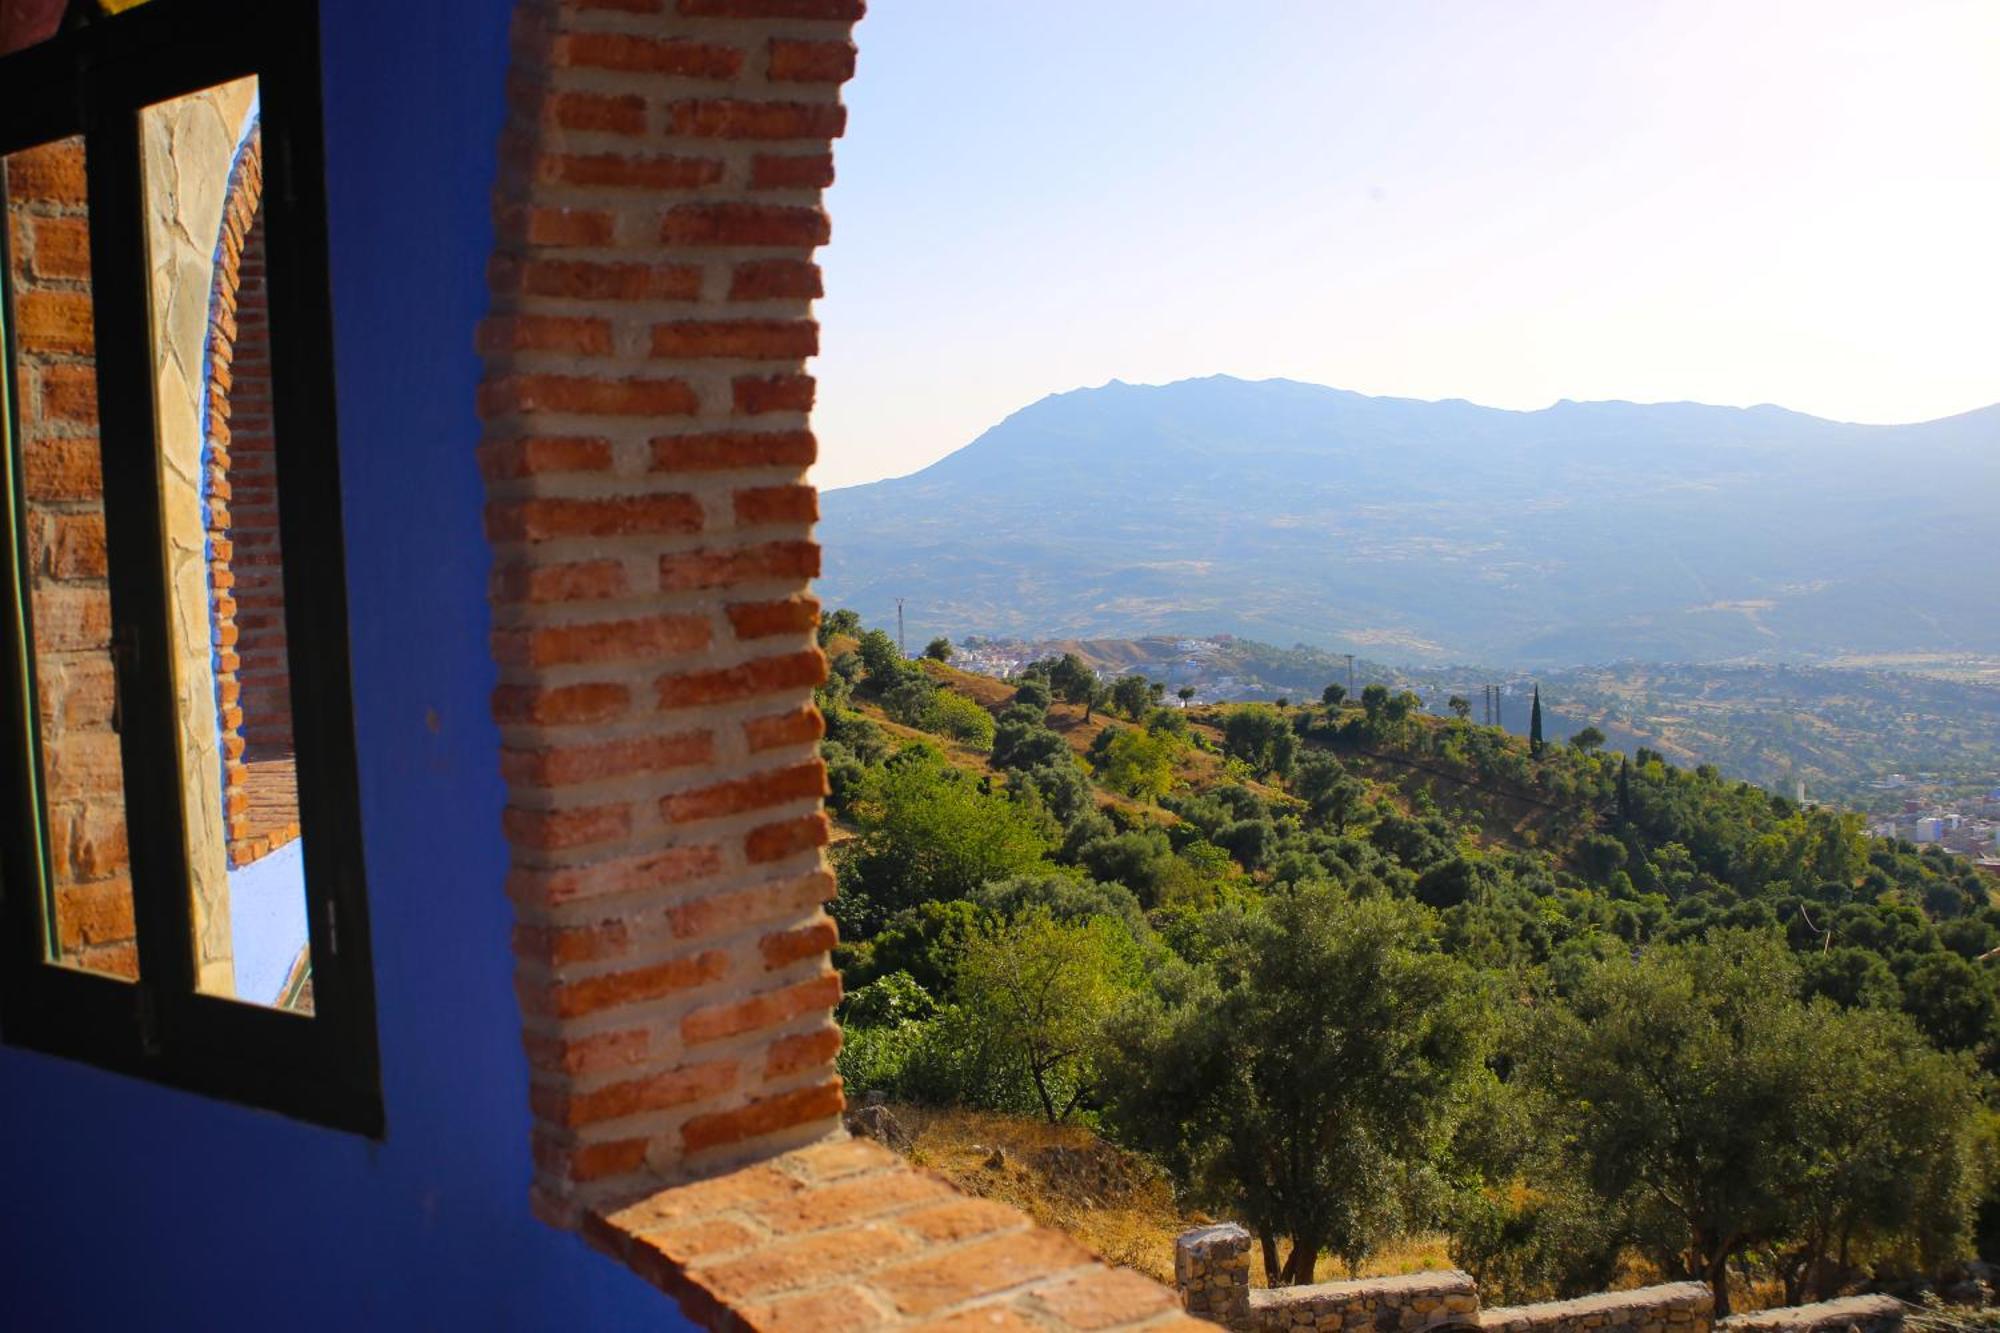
1511,203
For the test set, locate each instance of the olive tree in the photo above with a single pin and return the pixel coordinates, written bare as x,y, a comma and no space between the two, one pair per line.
1306,1078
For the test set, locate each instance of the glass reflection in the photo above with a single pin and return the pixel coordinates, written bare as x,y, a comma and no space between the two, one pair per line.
203,168
61,507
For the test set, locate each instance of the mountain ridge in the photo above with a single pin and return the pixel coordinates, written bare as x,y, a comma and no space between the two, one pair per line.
1423,531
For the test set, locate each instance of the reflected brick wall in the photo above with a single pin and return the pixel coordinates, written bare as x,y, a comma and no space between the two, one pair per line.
62,480
252,674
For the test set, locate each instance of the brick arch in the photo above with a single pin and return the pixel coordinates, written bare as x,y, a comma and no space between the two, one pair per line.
239,497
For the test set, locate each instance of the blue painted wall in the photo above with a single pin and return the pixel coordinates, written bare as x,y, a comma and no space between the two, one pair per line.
126,1205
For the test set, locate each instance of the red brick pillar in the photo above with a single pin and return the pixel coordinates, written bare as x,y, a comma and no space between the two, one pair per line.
646,443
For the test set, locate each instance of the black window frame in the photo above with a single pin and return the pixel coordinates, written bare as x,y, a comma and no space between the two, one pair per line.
93,80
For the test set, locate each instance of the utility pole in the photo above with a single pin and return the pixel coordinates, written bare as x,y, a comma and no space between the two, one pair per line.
902,644
1350,675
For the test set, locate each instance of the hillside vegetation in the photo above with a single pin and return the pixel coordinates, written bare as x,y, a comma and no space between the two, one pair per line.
1353,974
1836,729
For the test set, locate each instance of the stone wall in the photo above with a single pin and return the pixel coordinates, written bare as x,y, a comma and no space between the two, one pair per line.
1677,1307
1212,1274
1407,1303
1212,1271
1867,1314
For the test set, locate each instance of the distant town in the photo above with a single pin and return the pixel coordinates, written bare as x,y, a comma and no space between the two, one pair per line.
1962,827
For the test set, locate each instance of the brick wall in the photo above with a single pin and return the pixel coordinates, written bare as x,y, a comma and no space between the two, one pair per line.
62,480
645,449
246,606
255,556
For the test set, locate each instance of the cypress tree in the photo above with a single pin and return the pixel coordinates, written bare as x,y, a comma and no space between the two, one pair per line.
1535,725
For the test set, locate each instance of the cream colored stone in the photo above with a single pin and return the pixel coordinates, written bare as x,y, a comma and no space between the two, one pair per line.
188,146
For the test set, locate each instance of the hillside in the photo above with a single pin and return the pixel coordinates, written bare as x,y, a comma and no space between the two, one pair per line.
1841,731
1438,532
1400,984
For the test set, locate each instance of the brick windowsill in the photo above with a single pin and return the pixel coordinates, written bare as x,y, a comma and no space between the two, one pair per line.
846,1235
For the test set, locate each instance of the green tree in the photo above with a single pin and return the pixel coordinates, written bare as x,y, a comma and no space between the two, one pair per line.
840,624
881,658
1025,742
1333,695
922,943
1064,790
1132,696
938,649
1681,1066
1590,738
1535,724
1032,693
1259,735
912,701
1460,706
1307,1078
1045,988
1139,763
1951,1000
1071,680
1724,1116
1333,796
1884,1152
954,715
927,831
1852,978
1184,693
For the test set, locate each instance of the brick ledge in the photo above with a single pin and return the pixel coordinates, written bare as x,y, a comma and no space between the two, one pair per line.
846,1235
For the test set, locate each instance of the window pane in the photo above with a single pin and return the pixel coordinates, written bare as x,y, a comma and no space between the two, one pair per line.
61,481
202,157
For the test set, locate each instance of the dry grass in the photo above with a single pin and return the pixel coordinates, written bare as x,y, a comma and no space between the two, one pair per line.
1125,1213
1115,1202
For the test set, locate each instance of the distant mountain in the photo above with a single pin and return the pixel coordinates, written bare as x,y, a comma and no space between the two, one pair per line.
1433,532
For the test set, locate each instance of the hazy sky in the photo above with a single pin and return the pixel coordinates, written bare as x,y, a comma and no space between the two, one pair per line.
1735,201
